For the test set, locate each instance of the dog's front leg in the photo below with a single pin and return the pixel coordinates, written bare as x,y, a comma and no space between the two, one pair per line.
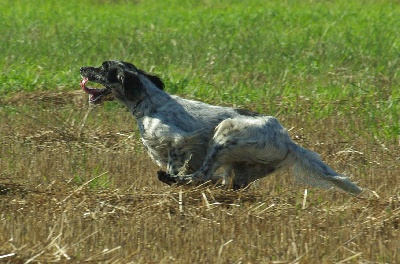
202,175
177,165
172,179
174,162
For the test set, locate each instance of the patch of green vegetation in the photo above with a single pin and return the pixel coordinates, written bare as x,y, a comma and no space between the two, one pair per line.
318,58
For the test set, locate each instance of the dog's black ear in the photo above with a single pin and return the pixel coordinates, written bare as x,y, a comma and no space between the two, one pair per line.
154,79
157,81
132,86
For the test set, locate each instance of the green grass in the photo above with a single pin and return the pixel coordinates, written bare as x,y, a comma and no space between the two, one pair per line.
318,58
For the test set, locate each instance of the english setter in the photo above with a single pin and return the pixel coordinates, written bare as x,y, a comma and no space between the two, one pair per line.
193,140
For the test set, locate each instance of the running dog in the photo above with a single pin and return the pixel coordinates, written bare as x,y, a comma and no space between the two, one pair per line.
197,142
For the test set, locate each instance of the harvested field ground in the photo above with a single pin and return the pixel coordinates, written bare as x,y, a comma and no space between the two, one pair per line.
76,186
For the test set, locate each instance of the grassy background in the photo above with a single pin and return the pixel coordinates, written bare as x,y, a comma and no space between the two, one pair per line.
342,57
75,184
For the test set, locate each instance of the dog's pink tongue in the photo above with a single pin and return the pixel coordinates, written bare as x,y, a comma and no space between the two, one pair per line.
92,91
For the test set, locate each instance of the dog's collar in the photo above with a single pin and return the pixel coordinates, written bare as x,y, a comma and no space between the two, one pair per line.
135,110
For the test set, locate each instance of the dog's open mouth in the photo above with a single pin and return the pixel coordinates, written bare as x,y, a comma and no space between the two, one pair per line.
96,95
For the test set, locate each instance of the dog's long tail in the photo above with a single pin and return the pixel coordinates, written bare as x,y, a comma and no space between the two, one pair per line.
310,169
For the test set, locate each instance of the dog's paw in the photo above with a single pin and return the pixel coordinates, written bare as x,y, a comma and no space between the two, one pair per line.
166,178
174,179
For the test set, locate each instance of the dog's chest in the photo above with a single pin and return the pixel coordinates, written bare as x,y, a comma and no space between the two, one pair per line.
156,129
158,137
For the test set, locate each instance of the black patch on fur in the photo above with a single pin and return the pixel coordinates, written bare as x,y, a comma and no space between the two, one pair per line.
130,66
154,79
112,76
246,112
132,86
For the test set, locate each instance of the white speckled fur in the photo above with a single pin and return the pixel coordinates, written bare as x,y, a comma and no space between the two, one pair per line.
192,140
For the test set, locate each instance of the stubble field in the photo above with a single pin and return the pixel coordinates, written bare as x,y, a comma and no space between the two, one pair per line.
77,186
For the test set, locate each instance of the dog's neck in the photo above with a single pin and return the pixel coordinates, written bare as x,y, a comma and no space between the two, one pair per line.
150,100
135,109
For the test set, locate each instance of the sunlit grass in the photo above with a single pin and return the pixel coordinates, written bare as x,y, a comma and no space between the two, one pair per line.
320,58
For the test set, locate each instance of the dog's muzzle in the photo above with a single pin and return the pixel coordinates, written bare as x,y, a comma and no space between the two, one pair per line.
96,95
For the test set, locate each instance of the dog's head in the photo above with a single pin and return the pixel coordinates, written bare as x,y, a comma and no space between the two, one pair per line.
121,80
